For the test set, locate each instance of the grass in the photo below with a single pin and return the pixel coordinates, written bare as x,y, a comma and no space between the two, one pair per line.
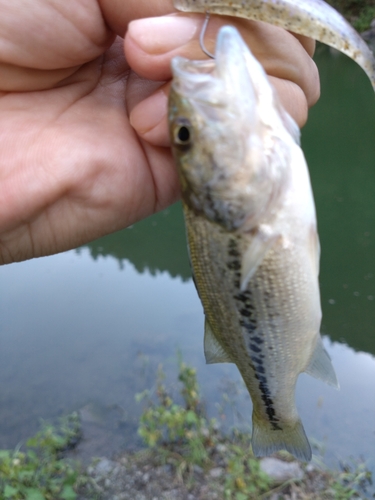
39,472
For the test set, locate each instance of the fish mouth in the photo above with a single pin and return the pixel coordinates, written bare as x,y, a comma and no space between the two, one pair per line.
195,80
212,81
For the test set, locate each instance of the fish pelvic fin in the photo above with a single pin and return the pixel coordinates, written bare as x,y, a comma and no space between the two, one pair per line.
320,365
213,350
266,439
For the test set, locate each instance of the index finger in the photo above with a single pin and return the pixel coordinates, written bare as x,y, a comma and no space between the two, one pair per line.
119,13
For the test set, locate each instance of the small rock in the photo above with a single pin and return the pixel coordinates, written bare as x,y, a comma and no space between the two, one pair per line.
198,469
146,477
310,468
107,483
116,471
104,466
163,469
205,432
281,471
140,496
221,448
216,472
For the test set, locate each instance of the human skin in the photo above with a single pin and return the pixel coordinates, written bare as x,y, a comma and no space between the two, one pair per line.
84,148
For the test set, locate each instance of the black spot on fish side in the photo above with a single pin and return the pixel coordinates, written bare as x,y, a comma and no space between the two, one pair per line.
249,326
242,297
234,265
233,252
268,402
245,312
257,340
261,378
255,348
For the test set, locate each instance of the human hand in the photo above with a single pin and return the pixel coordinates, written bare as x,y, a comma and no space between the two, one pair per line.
83,133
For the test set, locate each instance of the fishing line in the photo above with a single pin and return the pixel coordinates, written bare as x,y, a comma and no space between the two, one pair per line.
201,36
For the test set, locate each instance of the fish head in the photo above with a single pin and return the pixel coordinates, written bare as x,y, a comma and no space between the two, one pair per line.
225,131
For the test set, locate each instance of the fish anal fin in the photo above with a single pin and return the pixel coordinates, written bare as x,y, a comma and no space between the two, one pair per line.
261,243
320,366
213,351
266,440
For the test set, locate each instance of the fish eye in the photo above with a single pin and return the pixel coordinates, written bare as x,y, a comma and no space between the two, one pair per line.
182,134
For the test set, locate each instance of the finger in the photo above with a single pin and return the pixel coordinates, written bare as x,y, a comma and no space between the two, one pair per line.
119,13
150,44
309,44
292,98
149,118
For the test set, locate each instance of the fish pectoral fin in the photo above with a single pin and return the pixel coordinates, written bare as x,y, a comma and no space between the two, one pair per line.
213,351
266,440
320,366
260,244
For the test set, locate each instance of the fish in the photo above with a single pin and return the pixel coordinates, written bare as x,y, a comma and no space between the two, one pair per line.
252,233
313,18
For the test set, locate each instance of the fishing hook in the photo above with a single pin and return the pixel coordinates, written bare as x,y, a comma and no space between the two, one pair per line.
201,36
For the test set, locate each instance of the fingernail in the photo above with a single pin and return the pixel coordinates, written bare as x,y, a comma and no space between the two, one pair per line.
157,35
149,113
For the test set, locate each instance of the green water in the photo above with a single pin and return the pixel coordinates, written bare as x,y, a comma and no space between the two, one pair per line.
339,143
87,329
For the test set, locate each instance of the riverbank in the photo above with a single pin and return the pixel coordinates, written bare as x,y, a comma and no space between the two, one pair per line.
186,457
148,476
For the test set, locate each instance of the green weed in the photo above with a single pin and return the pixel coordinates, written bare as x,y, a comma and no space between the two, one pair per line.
351,482
183,426
363,20
39,473
359,12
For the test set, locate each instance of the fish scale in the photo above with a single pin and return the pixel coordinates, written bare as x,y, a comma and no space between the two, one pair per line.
224,314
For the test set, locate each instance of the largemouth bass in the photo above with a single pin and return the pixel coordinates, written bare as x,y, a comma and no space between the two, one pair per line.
313,18
251,228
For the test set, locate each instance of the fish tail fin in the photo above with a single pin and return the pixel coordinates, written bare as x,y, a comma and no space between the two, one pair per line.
267,439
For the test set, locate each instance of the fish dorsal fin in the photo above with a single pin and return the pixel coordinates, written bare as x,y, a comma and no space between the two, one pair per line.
253,256
320,365
213,351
